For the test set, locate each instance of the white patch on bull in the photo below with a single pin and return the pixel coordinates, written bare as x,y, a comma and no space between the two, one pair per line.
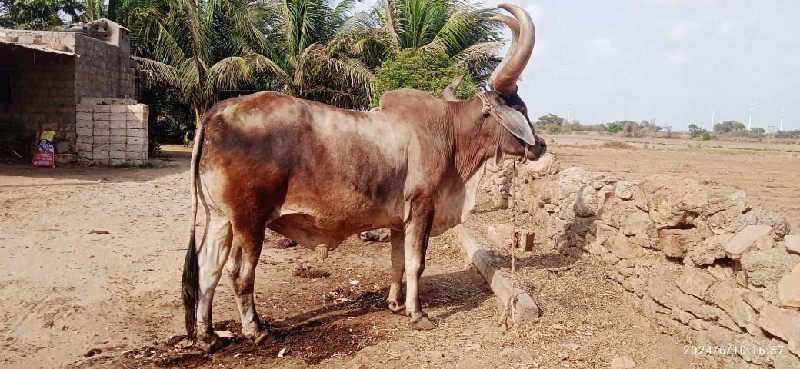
455,205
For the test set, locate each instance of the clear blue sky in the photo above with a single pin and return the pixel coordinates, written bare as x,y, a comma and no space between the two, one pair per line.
671,60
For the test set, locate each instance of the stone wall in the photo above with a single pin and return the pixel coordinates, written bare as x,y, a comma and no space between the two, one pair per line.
712,268
112,131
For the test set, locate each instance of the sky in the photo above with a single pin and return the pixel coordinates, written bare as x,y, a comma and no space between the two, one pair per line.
668,60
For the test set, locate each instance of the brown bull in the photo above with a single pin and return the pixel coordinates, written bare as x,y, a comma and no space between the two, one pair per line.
318,174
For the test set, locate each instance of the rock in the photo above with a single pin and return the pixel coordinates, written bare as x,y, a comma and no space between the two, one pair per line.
379,235
720,271
785,361
759,215
766,268
720,212
500,235
671,201
781,323
754,299
699,324
629,219
622,362
541,167
625,189
792,243
728,297
789,289
745,240
676,243
708,251
587,203
694,281
621,248
609,258
551,208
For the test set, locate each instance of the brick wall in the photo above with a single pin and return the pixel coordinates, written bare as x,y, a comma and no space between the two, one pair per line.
43,95
103,70
111,131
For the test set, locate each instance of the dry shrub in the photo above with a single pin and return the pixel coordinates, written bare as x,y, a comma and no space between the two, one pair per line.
616,145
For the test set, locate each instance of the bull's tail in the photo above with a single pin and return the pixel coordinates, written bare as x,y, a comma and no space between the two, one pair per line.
191,278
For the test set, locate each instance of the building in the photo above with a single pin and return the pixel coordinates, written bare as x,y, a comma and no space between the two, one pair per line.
81,84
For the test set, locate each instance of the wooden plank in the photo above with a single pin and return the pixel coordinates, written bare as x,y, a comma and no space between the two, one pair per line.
525,310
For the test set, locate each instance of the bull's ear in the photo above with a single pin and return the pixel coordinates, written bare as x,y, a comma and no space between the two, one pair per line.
516,123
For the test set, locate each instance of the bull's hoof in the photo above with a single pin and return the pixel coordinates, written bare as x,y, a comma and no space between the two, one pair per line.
263,337
396,307
421,322
209,343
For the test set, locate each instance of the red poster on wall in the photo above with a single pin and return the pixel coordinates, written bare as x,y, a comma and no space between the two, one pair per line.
44,156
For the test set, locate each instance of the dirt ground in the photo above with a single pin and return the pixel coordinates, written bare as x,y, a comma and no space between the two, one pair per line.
93,259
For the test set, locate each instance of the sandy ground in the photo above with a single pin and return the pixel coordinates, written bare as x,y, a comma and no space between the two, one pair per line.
73,295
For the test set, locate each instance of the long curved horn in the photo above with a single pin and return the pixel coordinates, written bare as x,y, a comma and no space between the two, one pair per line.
449,92
505,76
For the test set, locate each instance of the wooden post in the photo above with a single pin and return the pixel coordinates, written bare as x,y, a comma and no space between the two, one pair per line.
322,252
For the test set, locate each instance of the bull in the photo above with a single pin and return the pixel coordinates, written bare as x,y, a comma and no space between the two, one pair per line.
318,174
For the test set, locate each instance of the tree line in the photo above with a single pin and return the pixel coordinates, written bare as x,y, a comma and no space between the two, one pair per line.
730,128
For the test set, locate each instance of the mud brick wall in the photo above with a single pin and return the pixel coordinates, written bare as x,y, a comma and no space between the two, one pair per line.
112,131
708,267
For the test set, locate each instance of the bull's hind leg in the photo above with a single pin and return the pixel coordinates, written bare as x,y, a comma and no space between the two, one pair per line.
211,258
395,299
247,242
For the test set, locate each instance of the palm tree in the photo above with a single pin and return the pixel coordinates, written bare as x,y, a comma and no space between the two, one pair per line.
462,31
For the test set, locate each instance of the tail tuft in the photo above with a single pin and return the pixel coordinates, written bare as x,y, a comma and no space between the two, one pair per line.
190,286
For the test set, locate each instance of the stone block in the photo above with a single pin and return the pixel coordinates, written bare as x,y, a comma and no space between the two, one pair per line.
102,124
138,108
101,116
526,240
86,132
117,125
136,141
119,109
116,154
746,239
83,148
117,147
84,108
134,121
621,248
102,109
708,251
136,147
102,140
694,281
118,139
781,323
118,116
134,155
766,268
789,289
88,116
500,235
135,132
118,161
675,243
625,189
100,155
792,242
88,124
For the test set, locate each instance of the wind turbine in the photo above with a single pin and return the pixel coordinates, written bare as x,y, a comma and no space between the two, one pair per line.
750,117
783,112
569,109
713,110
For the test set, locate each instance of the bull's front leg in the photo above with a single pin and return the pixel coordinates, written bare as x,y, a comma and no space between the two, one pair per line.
417,231
396,299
